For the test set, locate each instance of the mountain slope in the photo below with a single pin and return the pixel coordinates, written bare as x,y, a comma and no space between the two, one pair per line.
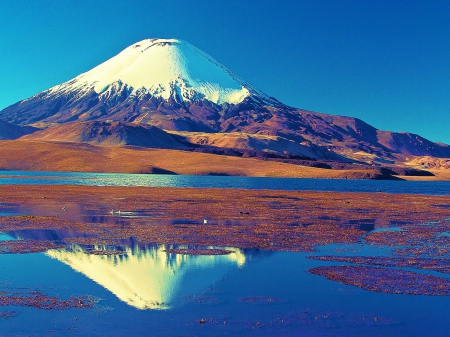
104,133
154,74
12,131
39,155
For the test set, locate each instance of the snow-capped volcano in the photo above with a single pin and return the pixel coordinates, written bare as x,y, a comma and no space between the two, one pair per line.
172,85
163,68
166,83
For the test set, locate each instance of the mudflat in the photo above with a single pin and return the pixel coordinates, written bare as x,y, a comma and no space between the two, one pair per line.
274,220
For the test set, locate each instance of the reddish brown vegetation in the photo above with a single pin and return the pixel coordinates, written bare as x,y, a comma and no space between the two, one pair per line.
39,300
193,251
419,246
439,265
90,241
276,220
26,246
391,281
7,314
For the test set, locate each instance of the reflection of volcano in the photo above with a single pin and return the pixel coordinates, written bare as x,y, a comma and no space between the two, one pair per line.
145,276
150,278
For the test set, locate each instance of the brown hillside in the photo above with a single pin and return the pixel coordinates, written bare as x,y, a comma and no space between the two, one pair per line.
108,133
78,157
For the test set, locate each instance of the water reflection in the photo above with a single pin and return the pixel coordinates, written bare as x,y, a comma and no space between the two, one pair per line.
4,237
8,209
143,276
150,278
84,213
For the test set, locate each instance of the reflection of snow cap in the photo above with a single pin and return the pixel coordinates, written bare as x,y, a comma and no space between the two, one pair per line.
150,278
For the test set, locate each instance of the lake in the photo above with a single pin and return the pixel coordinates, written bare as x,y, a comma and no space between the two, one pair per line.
159,180
134,288
250,292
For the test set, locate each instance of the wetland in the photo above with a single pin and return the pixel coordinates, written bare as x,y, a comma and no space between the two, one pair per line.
188,261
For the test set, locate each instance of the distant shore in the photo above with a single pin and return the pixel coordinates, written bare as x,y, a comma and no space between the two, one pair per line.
80,157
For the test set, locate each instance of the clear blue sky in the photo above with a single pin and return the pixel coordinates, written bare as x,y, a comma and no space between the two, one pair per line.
384,61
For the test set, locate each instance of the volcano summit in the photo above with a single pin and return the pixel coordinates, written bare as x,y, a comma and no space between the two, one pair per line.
164,68
172,85
132,85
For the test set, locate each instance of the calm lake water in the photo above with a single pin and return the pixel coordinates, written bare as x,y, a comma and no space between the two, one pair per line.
147,291
119,179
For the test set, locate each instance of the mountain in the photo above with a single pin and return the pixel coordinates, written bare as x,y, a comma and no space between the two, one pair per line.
163,82
12,131
108,133
172,85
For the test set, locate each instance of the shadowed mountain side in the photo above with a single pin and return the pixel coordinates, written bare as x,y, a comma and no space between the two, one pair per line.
12,131
81,157
111,134
349,136
409,143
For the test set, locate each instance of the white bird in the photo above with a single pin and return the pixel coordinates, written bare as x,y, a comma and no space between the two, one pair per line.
205,220
64,208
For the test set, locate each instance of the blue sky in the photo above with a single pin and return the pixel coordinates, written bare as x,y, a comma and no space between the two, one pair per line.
385,62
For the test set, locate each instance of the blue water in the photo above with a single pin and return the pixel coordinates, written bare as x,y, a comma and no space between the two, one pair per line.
250,292
303,184
247,293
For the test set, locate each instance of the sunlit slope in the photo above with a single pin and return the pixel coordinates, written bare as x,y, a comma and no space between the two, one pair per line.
80,157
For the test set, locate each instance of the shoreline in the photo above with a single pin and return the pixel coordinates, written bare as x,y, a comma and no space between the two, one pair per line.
266,219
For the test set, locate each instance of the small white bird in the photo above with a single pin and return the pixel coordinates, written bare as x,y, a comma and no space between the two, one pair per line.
64,208
205,220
